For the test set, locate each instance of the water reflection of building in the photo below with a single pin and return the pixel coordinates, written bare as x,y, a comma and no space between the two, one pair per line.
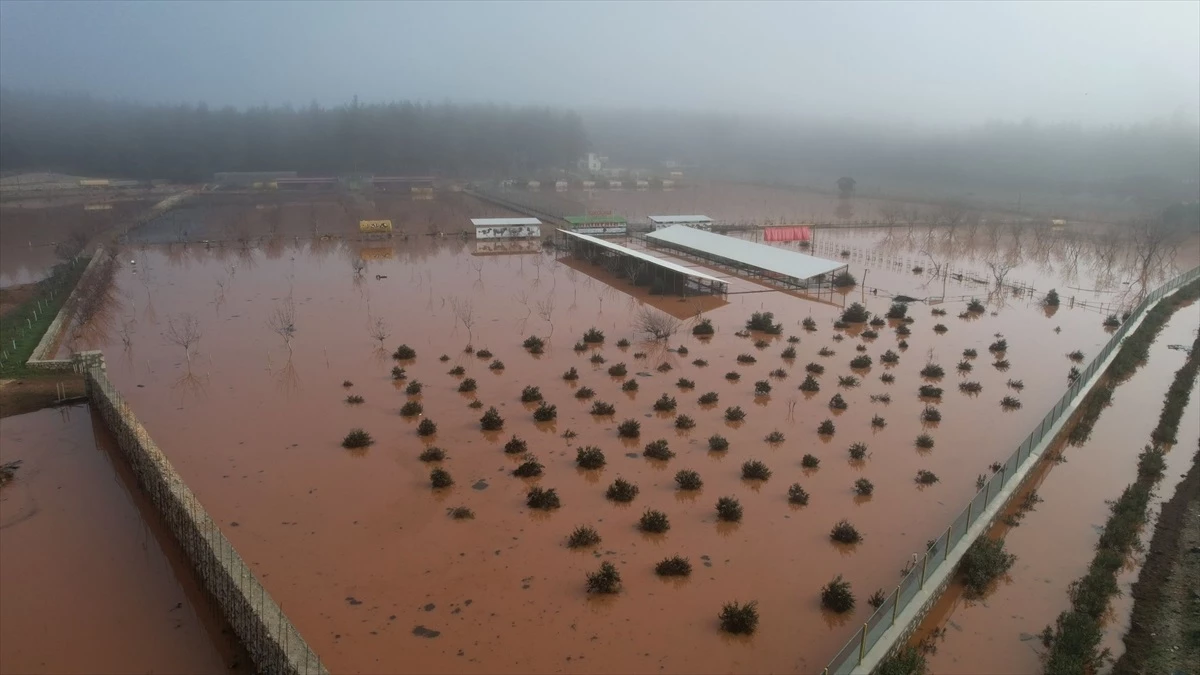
680,307
506,246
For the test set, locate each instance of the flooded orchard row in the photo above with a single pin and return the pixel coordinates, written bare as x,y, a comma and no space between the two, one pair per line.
81,565
1055,541
361,551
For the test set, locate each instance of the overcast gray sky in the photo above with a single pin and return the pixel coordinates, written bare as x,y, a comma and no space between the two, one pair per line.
913,62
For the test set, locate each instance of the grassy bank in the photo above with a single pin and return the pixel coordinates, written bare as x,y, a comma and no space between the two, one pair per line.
1075,639
22,328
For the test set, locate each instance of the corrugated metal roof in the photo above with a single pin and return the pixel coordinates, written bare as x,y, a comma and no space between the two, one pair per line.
762,256
504,222
674,267
665,220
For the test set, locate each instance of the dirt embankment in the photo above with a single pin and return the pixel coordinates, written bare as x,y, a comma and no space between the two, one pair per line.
1165,624
25,395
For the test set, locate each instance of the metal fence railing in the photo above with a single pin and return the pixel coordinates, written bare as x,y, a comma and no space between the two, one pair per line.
938,554
273,643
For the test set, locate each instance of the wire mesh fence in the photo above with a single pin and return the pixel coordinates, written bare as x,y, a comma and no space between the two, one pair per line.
938,554
273,643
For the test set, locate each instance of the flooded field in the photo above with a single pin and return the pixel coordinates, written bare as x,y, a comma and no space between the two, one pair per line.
362,553
87,584
30,231
1055,542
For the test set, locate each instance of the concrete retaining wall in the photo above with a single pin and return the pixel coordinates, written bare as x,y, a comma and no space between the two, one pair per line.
273,642
43,353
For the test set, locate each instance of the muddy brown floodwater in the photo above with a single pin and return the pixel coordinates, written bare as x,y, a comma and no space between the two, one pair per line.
360,550
1055,542
86,585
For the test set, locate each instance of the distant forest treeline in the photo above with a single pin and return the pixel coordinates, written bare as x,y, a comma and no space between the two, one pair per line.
1148,165
79,134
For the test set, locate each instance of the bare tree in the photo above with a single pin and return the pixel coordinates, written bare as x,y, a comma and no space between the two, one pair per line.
127,331
282,321
378,329
1000,269
657,325
464,310
184,331
545,310
358,265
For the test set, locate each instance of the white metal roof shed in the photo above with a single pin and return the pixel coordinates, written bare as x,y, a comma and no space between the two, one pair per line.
504,222
674,267
762,256
672,220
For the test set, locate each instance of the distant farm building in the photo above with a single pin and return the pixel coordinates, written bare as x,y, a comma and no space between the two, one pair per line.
598,225
698,222
507,228
414,184
308,184
249,178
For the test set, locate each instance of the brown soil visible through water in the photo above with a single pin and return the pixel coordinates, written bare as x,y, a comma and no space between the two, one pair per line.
86,584
359,550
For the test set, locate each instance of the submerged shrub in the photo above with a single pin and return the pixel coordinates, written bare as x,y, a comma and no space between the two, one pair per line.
515,446
788,352
983,562
629,385
746,358
1000,345
602,408
826,428
877,321
903,330
878,422
755,470
684,422
534,344
762,388
847,381
432,454
675,566
762,344
976,306
825,351
658,450
1076,356
898,310
729,509
530,467
864,487
617,370
1112,321
774,437
399,374
837,596
877,599
585,393
779,374
426,427
718,443
970,387
1051,299
542,498
593,336
739,619
926,477
929,391
708,398
622,491
940,328
484,353
735,414
545,413
881,398
496,365
889,357
1001,364
491,420
684,383
583,535
1018,385
531,394
931,414
688,480
354,399
797,495
924,441
933,371
622,343
578,347
845,533
838,403
404,353
815,368
461,513
700,363
861,361
571,375
455,371
969,353
440,478
357,438
606,580
858,451
733,376
855,313
810,384
1010,403
665,403
809,323
654,521
468,385
630,428
810,461
764,322
703,327
589,457
596,358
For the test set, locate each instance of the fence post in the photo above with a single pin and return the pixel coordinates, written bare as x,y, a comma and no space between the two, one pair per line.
895,606
862,645
946,548
968,527
924,564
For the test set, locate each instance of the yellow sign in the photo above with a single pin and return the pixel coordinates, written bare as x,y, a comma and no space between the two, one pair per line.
375,253
374,226
93,182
